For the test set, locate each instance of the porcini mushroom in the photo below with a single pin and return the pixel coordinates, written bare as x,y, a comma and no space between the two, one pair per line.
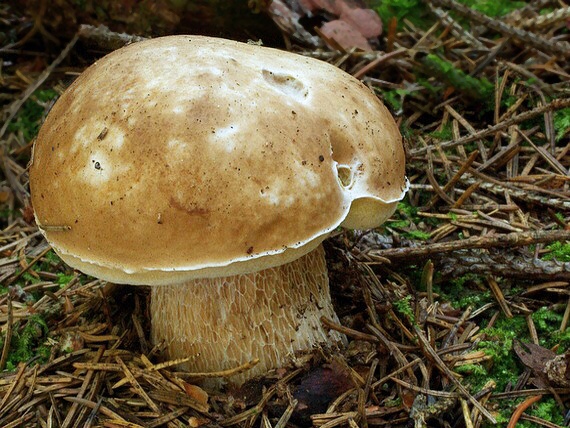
212,170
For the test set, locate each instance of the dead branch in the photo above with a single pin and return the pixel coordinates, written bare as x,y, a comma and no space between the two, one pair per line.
514,239
106,39
556,104
554,47
16,105
504,264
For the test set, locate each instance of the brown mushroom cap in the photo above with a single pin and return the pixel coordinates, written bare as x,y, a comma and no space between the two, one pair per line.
186,156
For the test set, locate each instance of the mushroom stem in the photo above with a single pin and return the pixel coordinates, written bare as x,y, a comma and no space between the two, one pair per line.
228,321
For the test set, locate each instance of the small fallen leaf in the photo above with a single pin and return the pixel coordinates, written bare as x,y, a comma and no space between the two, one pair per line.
535,357
5,195
318,388
196,393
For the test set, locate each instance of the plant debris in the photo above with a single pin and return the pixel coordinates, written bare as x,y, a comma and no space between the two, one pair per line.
456,311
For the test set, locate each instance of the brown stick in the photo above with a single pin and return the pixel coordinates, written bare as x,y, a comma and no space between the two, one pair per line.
450,375
107,39
521,408
8,337
557,104
514,239
553,47
506,264
16,105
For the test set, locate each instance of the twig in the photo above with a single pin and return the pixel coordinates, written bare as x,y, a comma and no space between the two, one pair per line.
284,419
16,105
542,21
505,264
453,331
107,39
521,408
8,336
375,63
514,239
395,372
432,392
551,160
556,104
456,177
498,294
355,334
15,382
554,47
466,413
28,266
526,193
86,382
178,399
166,418
450,375
104,410
221,373
456,29
565,318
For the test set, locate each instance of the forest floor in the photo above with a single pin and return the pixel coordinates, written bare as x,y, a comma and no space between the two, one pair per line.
457,309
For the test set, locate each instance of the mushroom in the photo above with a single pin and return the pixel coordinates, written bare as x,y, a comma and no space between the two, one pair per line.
212,170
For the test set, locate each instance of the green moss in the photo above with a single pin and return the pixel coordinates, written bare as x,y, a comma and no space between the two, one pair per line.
544,319
547,322
28,119
446,133
562,123
63,279
405,220
27,342
446,72
406,208
560,217
546,409
49,263
475,375
394,98
494,8
417,234
404,307
414,11
503,366
52,257
29,278
558,251
464,291
6,212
